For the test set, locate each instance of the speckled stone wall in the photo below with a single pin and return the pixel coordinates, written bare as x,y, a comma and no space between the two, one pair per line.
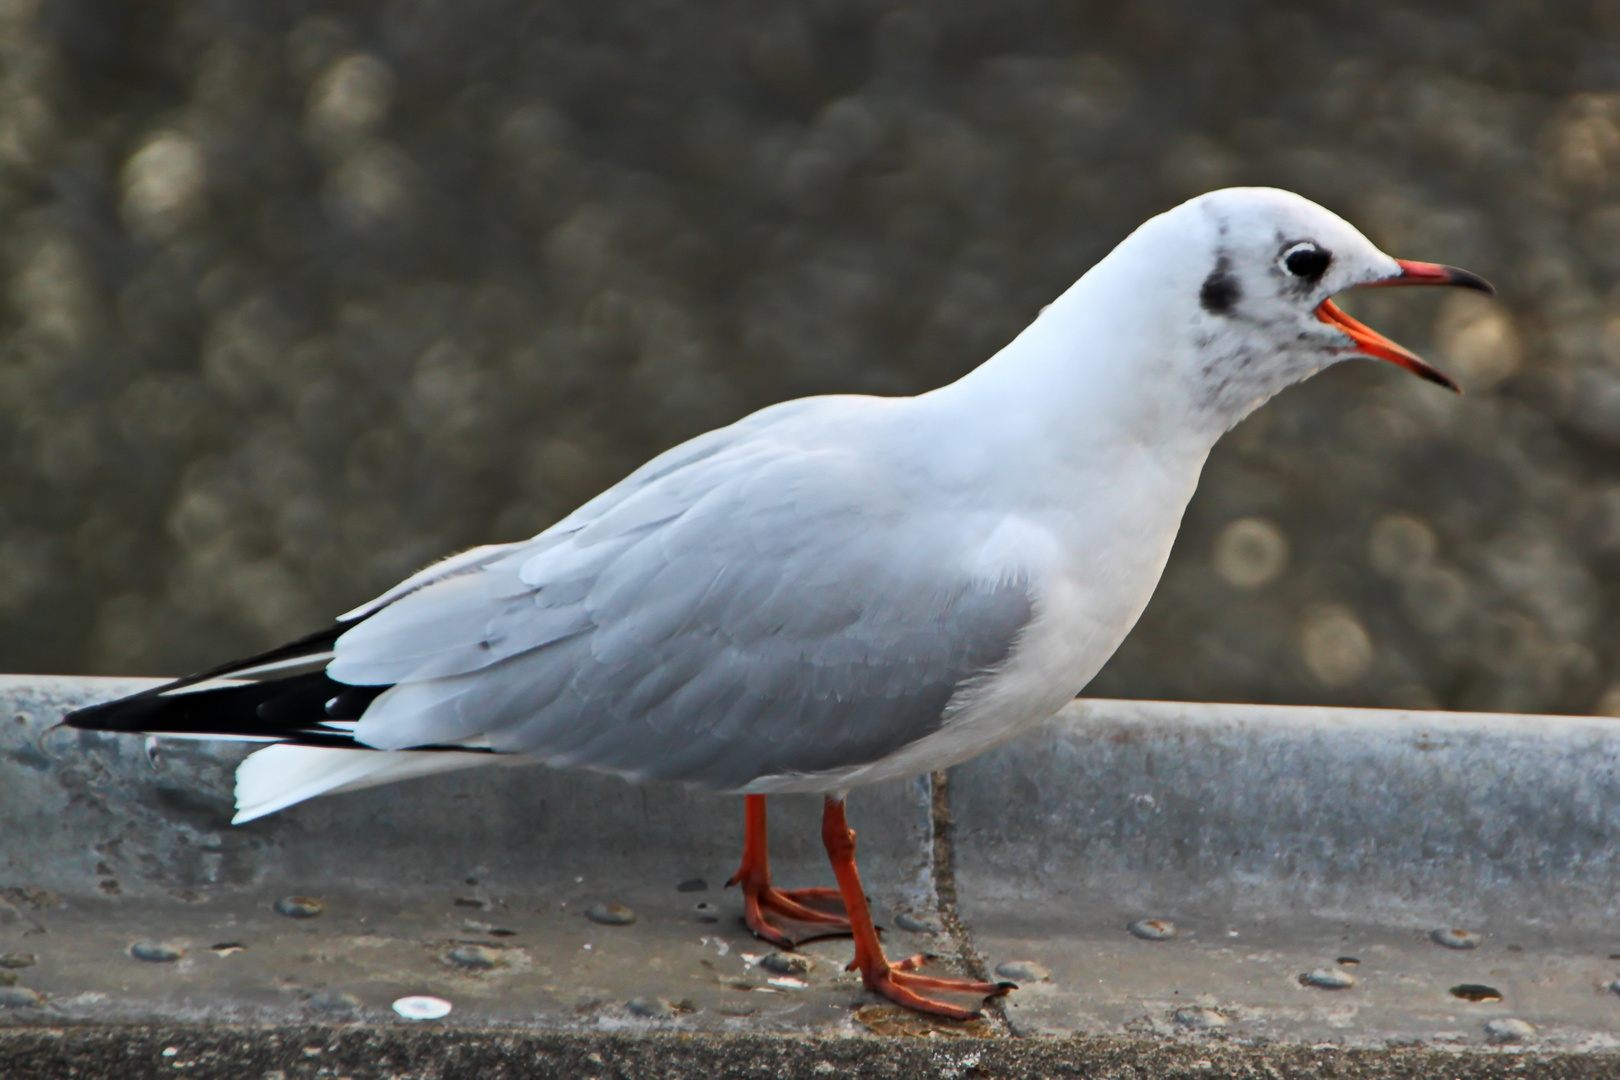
298,296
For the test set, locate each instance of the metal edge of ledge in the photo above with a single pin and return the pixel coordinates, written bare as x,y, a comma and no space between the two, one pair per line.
1275,842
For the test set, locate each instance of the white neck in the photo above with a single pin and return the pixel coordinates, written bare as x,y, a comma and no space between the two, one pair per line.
1104,370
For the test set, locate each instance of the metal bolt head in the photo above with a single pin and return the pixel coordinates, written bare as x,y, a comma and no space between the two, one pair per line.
1507,1029
782,963
1456,938
652,1008
610,914
299,907
333,1003
1194,1018
1328,979
912,925
18,997
1153,929
156,952
1023,971
472,957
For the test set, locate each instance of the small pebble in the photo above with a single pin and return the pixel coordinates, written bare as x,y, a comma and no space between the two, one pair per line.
706,913
1023,971
1455,938
1153,929
156,952
18,997
783,963
695,884
334,1003
1614,987
610,914
1506,1029
299,907
498,932
227,948
17,960
653,1008
1198,1019
472,957
8,978
914,926
1328,979
422,1007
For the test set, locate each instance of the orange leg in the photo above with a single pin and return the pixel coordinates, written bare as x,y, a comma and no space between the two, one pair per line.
761,899
899,982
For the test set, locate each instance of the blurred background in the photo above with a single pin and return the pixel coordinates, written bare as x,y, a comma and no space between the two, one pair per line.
298,297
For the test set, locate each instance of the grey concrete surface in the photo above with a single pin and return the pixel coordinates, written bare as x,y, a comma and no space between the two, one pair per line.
1279,842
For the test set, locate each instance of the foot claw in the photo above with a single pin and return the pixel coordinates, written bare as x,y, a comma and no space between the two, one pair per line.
761,903
901,986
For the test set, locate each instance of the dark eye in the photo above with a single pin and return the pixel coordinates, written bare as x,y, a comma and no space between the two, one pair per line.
1307,261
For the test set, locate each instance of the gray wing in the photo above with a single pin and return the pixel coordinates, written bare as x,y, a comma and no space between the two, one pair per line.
758,611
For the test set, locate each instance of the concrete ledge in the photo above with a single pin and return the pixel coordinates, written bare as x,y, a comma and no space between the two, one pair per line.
308,1053
1280,843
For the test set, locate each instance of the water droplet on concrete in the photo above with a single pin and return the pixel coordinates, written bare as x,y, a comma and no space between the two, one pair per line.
785,963
653,1008
156,952
1507,1029
610,914
695,884
1023,971
1199,1019
299,907
1455,938
1153,929
17,960
914,926
472,957
18,997
422,1007
1328,979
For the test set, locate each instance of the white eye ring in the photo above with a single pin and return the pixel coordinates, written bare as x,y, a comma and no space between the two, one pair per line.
1306,259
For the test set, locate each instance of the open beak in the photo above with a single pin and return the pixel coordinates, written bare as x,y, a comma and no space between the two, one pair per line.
1370,342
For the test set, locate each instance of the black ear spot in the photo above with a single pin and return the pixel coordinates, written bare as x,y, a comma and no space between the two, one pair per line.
1221,290
1306,260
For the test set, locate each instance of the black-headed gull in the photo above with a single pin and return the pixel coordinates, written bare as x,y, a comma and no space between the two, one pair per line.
836,590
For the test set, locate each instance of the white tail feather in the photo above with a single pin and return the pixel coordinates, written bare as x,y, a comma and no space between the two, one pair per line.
276,777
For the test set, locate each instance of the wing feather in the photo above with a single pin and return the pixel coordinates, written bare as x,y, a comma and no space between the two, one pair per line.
762,613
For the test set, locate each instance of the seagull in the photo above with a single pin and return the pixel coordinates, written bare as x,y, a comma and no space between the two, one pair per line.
833,591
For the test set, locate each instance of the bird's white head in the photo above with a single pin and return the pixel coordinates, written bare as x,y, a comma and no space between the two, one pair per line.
1248,274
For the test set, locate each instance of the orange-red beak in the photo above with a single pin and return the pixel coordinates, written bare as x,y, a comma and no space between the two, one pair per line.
1370,342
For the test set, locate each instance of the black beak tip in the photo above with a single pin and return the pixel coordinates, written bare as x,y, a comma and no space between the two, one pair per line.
1467,279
